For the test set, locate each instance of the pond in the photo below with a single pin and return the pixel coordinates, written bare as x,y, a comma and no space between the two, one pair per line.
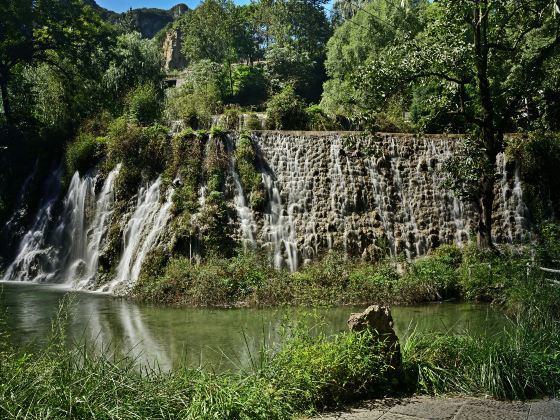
216,339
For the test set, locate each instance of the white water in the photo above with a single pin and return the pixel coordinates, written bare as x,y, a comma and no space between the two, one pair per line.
140,234
33,252
95,234
244,212
66,251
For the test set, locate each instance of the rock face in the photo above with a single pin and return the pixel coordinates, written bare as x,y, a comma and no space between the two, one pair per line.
369,196
173,58
378,320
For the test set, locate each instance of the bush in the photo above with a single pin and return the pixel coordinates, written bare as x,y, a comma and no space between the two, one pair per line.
249,85
285,111
200,97
253,122
317,120
84,152
143,104
325,372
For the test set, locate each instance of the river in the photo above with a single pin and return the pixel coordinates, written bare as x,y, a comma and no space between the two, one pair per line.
216,339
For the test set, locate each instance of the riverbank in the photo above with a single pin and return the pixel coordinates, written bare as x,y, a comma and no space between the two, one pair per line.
509,278
311,372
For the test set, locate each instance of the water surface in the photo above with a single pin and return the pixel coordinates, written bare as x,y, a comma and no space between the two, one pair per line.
215,338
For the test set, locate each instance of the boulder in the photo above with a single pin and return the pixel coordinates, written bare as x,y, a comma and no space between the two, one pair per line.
378,320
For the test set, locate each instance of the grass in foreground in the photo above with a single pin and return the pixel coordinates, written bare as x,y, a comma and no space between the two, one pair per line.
311,372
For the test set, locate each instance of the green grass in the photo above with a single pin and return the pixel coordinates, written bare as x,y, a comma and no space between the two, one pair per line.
520,362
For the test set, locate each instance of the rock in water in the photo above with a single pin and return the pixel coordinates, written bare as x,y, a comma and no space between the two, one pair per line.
378,320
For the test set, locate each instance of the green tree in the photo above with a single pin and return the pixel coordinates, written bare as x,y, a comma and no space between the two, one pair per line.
218,31
44,31
294,34
368,30
484,51
133,61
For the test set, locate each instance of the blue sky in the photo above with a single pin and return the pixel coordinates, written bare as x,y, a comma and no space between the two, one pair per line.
123,5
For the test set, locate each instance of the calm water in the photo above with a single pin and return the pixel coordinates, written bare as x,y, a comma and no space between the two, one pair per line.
215,338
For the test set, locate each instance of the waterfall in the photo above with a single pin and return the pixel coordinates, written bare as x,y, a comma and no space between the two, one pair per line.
512,209
368,195
245,214
89,259
68,250
140,235
33,258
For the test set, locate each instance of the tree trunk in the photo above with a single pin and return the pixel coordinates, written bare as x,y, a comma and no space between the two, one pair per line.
6,100
487,129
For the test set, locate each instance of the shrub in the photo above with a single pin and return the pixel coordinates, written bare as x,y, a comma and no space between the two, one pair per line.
317,120
84,152
253,122
519,362
231,117
143,104
249,85
324,372
433,277
285,111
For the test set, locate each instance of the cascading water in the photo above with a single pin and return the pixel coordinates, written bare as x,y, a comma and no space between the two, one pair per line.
66,251
140,235
83,270
245,214
367,195
33,261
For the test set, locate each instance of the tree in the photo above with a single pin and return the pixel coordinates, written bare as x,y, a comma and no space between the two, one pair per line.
133,61
493,55
367,30
43,31
294,34
218,31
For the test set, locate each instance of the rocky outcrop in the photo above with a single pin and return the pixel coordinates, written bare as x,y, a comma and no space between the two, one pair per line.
173,58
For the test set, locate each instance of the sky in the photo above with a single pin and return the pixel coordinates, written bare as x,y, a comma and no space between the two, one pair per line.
124,5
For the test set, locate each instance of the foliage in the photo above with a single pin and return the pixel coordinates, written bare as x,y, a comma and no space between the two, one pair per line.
84,152
519,362
325,372
135,62
317,120
142,151
368,29
285,110
143,104
200,97
246,161
186,166
249,84
54,31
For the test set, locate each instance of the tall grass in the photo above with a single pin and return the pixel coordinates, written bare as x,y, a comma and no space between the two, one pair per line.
519,362
312,371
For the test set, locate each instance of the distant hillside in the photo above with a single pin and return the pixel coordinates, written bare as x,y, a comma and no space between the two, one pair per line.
147,21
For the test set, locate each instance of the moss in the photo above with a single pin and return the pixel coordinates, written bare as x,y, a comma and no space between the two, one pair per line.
84,153
246,161
186,165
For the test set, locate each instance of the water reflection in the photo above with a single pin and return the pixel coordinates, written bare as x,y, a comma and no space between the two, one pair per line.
213,338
